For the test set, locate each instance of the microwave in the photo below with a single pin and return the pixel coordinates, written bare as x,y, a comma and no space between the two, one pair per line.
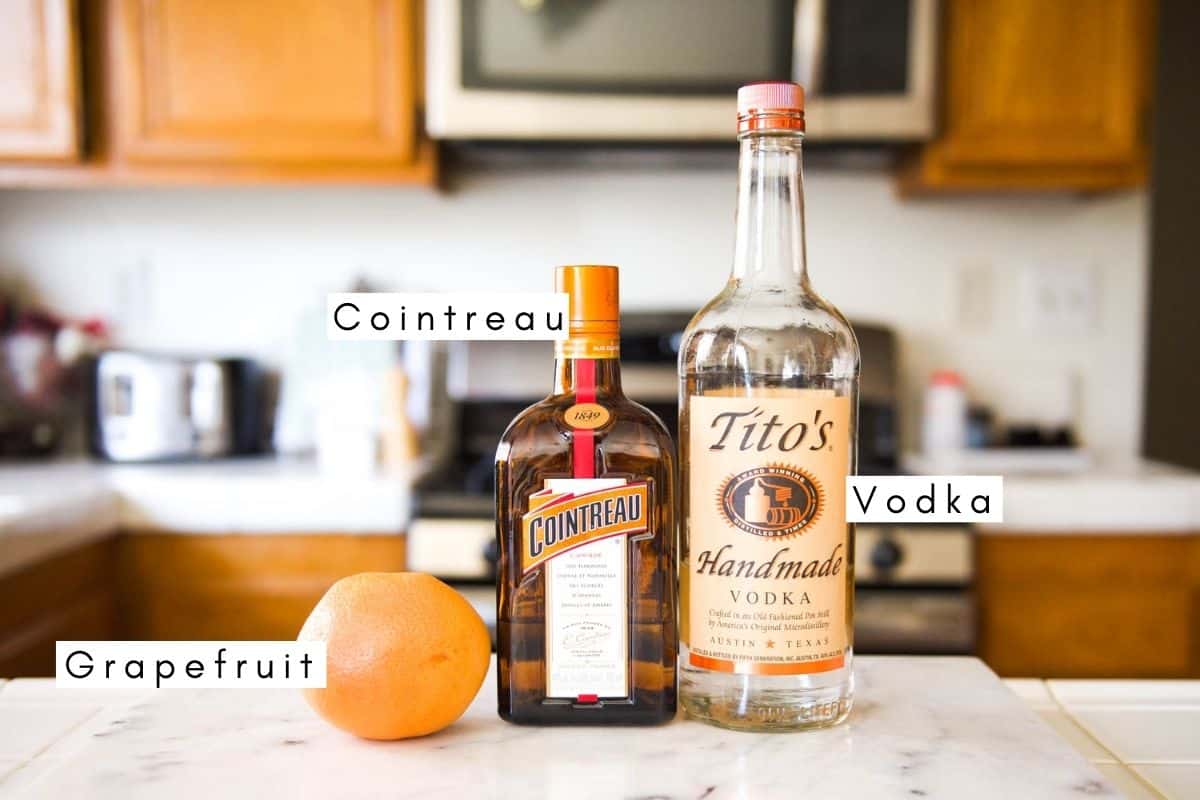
668,70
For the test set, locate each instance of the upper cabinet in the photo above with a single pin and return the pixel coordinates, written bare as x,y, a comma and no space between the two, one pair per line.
39,80
1033,94
1040,95
204,91
300,82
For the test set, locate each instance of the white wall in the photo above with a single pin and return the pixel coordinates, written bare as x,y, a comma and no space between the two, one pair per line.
230,269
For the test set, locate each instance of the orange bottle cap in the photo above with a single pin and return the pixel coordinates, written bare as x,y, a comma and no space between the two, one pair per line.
593,308
593,293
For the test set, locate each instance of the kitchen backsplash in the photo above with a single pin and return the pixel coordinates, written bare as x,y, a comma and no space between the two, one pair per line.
233,269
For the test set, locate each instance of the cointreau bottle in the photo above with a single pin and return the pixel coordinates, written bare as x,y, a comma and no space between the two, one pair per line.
768,400
585,494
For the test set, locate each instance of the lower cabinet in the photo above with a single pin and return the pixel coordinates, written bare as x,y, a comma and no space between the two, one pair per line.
1050,605
177,586
1060,605
238,586
72,595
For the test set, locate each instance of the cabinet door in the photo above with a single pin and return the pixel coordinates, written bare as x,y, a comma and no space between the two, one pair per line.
1079,605
1042,94
39,80
296,82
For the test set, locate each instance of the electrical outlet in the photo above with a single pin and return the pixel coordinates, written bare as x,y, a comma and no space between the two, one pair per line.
134,297
1059,299
976,289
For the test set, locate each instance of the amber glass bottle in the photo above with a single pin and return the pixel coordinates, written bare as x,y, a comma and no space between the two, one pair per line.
586,526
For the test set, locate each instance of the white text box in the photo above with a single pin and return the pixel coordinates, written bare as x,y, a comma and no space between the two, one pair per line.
925,498
189,665
446,316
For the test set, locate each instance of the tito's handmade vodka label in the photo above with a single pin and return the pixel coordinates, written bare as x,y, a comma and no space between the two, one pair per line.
767,575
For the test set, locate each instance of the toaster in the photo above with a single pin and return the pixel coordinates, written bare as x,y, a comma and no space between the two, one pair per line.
157,407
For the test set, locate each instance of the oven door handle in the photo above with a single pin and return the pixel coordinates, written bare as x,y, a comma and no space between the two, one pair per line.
808,45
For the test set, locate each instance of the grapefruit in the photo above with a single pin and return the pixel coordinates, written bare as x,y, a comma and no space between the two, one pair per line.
406,654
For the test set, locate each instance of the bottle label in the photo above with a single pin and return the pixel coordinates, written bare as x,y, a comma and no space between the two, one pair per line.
578,531
588,345
586,416
768,549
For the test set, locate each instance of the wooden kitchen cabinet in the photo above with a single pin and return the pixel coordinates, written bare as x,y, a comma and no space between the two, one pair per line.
39,80
163,586
269,82
1040,95
1065,605
69,596
238,586
228,91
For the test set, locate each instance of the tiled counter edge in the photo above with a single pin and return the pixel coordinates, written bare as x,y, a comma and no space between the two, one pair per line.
1144,736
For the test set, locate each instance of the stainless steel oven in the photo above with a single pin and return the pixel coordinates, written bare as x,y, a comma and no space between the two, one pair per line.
913,590
668,69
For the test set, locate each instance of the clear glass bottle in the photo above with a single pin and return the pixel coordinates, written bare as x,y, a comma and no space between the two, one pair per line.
768,408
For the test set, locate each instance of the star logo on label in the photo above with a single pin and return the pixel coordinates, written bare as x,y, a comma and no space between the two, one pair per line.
770,642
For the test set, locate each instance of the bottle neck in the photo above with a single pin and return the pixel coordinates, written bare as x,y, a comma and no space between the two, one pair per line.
588,378
769,245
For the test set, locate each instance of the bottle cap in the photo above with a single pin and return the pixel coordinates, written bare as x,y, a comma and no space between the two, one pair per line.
946,377
770,105
593,308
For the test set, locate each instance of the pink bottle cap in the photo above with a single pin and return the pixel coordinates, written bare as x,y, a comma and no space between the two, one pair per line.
770,96
770,106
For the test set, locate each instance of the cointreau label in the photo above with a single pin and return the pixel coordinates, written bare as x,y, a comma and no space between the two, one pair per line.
768,546
560,520
578,531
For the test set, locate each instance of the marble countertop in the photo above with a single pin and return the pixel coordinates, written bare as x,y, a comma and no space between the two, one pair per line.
48,507
921,727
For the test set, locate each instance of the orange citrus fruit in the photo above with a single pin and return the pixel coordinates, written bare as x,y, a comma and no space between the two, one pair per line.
405,654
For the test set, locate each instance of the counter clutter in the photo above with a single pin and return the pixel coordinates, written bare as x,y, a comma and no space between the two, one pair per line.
921,727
